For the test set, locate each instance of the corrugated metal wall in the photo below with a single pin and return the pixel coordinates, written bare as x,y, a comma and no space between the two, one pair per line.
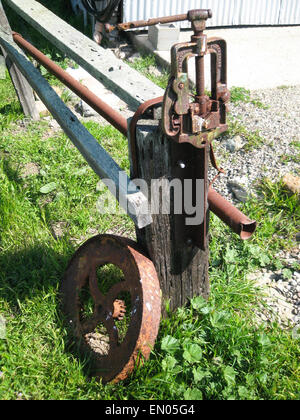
225,12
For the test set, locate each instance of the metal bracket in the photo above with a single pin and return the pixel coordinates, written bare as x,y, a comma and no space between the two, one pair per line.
195,117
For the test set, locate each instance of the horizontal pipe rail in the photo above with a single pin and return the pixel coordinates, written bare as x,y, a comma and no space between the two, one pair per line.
113,117
230,215
149,22
192,15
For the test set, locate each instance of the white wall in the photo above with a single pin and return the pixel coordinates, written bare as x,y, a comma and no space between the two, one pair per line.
225,12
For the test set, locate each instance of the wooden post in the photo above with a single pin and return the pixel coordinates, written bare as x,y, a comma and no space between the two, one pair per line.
181,267
2,68
22,87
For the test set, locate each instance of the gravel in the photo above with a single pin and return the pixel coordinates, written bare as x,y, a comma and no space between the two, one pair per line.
278,125
281,294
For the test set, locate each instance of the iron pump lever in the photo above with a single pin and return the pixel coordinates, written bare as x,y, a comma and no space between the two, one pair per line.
198,120
194,119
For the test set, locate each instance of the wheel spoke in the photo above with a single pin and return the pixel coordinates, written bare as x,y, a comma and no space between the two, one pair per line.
112,331
97,296
116,289
88,325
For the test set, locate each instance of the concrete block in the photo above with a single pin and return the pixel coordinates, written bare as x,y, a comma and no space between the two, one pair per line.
163,36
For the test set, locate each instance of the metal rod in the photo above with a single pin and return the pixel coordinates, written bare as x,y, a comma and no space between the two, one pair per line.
149,22
200,82
112,116
230,215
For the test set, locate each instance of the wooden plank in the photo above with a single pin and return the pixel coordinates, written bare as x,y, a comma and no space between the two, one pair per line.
131,199
2,68
182,269
117,76
22,87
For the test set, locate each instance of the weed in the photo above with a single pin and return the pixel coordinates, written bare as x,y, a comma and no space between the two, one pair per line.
240,94
144,64
290,158
254,139
283,87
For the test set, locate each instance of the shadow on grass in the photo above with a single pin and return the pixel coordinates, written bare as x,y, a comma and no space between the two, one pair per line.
12,108
34,272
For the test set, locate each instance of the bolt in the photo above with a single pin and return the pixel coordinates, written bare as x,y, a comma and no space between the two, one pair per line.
181,164
189,242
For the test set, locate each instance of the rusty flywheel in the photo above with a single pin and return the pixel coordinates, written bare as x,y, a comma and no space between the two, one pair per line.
115,337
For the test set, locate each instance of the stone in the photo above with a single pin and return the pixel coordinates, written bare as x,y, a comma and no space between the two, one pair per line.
86,110
292,183
234,144
54,124
101,91
238,191
134,57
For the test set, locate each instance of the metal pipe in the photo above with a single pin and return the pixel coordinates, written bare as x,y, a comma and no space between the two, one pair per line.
192,16
149,22
230,215
107,112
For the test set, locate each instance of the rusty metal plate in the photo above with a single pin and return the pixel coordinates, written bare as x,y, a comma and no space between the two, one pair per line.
98,333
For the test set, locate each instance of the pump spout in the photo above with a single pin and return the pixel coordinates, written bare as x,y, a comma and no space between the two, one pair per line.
230,215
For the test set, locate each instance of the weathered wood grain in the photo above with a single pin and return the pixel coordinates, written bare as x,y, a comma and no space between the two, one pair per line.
182,269
22,87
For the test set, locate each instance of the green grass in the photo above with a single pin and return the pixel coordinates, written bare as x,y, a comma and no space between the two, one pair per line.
10,109
290,158
144,64
253,138
240,94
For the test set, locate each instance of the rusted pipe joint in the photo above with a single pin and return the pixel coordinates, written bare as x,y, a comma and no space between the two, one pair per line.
198,19
199,14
